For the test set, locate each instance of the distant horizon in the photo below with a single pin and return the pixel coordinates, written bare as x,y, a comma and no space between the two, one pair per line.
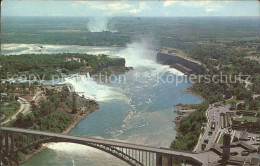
139,16
131,8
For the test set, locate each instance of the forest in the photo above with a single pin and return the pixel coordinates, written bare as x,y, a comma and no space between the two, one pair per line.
172,32
190,128
44,66
219,61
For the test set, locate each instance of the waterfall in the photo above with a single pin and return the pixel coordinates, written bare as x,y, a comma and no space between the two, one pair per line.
92,90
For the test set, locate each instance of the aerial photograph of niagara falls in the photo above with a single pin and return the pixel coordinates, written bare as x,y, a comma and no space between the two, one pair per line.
130,83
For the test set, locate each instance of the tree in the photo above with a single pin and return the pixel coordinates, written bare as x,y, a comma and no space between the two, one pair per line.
253,105
20,119
244,95
241,106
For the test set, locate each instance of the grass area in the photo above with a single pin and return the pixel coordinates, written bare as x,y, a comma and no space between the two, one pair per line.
252,52
249,111
234,100
231,101
184,55
228,66
9,108
220,140
248,118
180,52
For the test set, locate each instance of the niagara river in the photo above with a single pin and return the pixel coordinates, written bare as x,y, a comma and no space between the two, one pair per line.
138,109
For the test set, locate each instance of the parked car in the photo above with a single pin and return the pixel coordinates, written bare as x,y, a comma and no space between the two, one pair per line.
245,153
233,153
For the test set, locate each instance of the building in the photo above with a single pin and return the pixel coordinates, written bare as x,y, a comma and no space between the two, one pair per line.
243,136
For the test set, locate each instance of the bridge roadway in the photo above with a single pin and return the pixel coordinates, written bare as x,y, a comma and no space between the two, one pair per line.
204,157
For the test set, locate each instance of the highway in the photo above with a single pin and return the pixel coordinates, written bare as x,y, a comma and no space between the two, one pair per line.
204,157
213,115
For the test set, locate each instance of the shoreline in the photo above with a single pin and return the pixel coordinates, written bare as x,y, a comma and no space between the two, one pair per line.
65,132
185,108
189,90
178,119
177,122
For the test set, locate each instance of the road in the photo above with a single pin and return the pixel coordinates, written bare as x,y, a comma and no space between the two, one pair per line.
24,108
253,142
213,115
204,157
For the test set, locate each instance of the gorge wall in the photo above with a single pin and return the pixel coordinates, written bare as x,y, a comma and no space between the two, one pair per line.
184,65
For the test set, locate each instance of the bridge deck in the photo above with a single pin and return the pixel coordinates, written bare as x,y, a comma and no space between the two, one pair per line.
201,157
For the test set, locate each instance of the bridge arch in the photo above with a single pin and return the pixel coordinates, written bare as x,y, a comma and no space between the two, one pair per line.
16,139
122,153
114,151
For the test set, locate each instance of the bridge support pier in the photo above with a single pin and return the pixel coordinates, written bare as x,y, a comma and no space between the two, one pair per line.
12,142
163,160
6,143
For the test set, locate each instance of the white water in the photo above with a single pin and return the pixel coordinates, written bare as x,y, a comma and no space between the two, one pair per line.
75,152
18,49
93,90
137,54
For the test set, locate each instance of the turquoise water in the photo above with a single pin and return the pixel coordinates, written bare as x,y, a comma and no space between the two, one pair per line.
143,115
139,109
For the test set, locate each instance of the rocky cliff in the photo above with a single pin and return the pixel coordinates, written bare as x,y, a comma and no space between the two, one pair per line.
113,65
184,65
113,62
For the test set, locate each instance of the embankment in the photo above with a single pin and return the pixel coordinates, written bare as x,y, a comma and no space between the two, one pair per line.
77,117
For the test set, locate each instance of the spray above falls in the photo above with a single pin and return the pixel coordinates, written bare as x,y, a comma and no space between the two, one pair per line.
100,24
142,55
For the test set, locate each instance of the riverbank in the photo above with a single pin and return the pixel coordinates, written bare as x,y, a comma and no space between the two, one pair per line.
185,109
77,118
187,127
188,108
190,90
177,122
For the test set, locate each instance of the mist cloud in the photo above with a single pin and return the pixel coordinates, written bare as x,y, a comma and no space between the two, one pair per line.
100,24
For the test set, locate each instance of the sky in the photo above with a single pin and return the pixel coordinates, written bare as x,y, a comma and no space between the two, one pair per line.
131,8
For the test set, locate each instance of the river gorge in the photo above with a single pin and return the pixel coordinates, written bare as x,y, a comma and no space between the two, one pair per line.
138,108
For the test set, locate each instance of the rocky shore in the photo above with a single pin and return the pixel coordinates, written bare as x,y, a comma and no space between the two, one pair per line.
189,90
177,122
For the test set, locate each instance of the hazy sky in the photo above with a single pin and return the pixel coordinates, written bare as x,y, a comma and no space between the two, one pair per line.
130,8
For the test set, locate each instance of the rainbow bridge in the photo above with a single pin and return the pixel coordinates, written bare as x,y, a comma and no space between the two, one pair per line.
14,140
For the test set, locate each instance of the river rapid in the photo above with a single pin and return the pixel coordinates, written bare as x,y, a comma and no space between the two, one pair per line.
136,106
